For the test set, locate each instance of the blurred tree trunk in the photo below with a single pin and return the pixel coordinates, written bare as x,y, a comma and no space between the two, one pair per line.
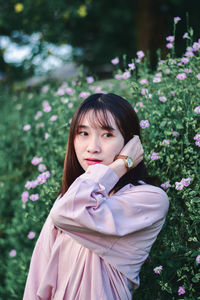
151,27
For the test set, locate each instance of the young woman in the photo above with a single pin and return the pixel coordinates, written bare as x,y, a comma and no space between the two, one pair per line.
108,214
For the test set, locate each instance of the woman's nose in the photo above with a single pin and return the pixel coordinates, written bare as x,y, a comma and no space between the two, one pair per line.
94,145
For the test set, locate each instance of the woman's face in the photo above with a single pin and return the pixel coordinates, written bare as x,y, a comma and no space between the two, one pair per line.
96,144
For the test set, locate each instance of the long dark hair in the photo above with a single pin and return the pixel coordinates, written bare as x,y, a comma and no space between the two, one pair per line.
128,124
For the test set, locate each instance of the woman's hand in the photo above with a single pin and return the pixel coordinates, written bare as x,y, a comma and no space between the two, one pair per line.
133,149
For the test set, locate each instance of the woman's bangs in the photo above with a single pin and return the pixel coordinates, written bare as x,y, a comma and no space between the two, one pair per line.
97,117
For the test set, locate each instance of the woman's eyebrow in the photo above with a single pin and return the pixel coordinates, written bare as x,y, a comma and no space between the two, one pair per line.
83,127
109,128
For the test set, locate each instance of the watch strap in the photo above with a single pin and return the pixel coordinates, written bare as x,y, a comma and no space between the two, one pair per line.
124,157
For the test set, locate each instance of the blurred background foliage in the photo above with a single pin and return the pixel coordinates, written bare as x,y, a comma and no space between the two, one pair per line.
28,130
97,31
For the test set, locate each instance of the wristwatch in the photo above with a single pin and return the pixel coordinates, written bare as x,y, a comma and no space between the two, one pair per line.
127,160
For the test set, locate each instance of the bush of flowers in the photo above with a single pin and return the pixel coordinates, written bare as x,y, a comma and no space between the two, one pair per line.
167,103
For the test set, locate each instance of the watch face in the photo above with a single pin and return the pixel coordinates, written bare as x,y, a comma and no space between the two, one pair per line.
129,162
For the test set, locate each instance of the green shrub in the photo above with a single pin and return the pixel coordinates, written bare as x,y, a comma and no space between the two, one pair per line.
168,108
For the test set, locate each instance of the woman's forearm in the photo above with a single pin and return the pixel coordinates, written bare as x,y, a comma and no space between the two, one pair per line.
118,166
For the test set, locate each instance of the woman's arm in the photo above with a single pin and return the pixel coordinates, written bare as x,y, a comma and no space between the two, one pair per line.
86,206
39,261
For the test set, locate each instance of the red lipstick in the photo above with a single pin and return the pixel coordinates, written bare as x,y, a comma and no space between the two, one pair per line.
92,161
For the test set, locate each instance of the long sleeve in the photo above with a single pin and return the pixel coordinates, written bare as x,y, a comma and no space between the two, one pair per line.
39,262
86,206
120,228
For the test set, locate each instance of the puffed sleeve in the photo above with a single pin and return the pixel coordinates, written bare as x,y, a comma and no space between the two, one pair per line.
86,206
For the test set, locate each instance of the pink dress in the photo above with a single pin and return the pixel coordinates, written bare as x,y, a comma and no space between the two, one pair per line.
92,245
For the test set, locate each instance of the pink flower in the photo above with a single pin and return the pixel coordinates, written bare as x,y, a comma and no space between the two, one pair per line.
172,61
90,79
118,76
31,235
197,137
198,76
144,91
186,181
156,79
154,156
53,118
197,143
175,133
185,36
98,89
139,104
28,185
197,110
70,105
170,38
167,71
43,177
178,186
198,259
25,196
131,66
196,46
165,185
161,62
144,124
140,54
46,136
69,91
189,53
46,106
13,253
172,93
169,45
34,183
38,115
181,290
115,61
42,167
45,89
27,127
158,270
166,142
83,95
176,20
34,197
188,70
162,98
45,103
185,60
60,91
181,76
36,160
126,75
144,81
46,174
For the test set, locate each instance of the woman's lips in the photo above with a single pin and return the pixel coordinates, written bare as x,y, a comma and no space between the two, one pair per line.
92,162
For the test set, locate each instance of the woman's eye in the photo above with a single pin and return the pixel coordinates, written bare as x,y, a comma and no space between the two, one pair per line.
82,133
108,134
